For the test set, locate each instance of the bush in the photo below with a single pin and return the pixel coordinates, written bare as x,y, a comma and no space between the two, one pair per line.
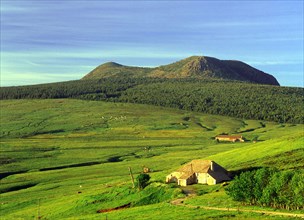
142,180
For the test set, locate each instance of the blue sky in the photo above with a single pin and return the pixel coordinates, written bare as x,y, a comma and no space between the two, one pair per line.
50,41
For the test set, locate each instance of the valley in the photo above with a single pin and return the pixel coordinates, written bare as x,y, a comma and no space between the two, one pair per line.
69,158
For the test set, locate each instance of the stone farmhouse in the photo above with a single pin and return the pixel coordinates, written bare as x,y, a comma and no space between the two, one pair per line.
231,138
199,171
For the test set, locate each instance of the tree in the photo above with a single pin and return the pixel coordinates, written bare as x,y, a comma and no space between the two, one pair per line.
297,186
142,180
262,178
241,189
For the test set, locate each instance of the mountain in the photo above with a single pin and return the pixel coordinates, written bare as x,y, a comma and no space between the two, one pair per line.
112,69
191,67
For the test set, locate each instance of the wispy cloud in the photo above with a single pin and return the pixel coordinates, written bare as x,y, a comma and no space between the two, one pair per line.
130,52
11,8
25,78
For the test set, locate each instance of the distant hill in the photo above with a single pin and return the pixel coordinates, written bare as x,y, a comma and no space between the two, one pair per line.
191,67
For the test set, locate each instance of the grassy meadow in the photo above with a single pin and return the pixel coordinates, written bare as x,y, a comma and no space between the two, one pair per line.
67,158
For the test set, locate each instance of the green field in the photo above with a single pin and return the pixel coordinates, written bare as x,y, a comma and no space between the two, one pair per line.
66,158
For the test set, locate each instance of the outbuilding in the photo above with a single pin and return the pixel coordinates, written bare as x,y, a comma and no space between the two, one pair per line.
231,138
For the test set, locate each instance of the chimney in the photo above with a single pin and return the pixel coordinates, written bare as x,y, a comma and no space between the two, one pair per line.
211,165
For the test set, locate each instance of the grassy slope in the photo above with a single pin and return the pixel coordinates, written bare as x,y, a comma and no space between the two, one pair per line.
43,134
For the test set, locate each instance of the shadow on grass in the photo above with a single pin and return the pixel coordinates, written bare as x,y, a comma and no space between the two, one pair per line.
6,174
16,188
70,166
234,173
114,159
43,132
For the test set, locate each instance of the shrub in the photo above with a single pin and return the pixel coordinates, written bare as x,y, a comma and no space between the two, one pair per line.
142,180
270,187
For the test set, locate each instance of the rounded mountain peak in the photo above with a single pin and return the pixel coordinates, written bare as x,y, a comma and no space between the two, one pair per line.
111,64
199,64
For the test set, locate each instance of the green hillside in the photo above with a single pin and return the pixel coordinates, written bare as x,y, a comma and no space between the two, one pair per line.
192,67
212,96
67,158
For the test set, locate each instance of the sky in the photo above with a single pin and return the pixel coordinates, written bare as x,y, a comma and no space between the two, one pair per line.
50,41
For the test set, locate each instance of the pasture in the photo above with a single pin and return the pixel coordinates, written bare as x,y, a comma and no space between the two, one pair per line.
66,158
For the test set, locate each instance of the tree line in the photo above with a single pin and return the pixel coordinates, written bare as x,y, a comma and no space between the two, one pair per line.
70,89
241,100
212,96
269,187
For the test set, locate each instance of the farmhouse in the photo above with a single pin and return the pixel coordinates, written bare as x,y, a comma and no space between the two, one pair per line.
199,171
231,138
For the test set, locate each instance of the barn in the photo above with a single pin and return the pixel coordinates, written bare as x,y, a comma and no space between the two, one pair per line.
231,138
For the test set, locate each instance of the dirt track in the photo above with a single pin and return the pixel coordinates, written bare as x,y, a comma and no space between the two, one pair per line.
180,202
